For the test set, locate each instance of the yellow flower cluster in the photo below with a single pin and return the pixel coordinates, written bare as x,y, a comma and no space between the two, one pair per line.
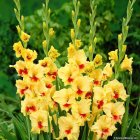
88,98
35,87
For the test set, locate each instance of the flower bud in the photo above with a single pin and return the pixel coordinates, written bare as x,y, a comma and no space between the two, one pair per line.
72,33
124,47
44,44
51,32
79,22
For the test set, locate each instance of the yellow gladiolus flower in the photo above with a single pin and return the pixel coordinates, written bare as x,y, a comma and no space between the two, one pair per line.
99,97
89,67
103,127
97,75
21,68
68,127
114,111
23,88
35,73
79,59
46,62
116,90
28,105
39,121
65,97
29,55
68,73
82,85
53,53
18,48
113,56
24,37
107,71
81,111
97,60
127,64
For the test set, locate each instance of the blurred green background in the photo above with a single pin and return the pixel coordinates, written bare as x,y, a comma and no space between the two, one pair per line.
109,19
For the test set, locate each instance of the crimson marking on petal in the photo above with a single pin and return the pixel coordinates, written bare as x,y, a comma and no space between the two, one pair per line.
81,66
79,91
66,105
68,131
100,104
40,125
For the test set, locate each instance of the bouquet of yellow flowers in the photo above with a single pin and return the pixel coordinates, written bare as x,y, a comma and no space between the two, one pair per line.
83,99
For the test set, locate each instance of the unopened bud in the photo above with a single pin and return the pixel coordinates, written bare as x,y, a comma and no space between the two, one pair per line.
73,13
51,32
72,33
120,37
44,44
22,18
90,49
95,40
18,29
79,22
124,47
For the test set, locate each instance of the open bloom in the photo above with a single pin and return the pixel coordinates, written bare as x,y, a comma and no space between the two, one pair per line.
99,97
68,127
116,90
79,59
115,111
39,121
65,97
18,48
127,64
113,56
81,111
29,55
28,105
24,37
21,68
53,53
68,73
97,60
103,127
82,85
107,71
23,88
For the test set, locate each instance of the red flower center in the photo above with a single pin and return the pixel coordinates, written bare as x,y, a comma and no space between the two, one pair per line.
81,66
83,115
22,91
104,131
30,108
116,95
68,131
70,79
79,91
66,105
88,95
44,64
100,104
40,125
96,82
48,85
23,71
116,117
34,78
